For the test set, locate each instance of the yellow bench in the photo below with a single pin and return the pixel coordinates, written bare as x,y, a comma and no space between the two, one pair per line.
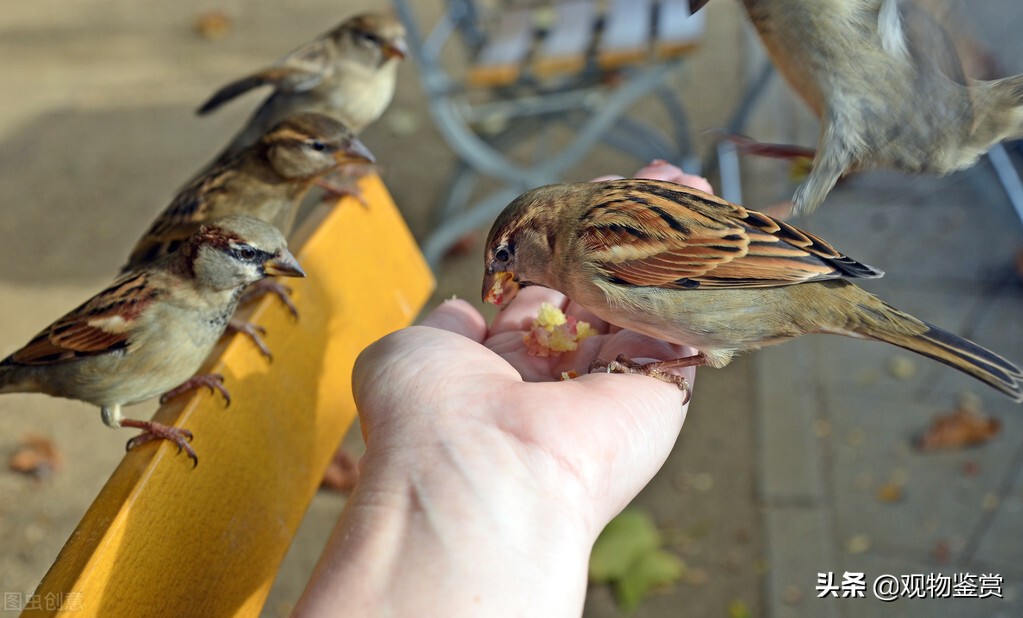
163,539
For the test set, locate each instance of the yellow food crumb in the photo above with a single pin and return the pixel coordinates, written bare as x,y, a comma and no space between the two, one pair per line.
553,332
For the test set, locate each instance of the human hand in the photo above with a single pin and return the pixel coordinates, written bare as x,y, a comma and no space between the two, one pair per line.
485,482
659,169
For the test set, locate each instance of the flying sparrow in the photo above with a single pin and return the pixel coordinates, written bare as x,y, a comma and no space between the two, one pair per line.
152,328
887,83
348,73
687,267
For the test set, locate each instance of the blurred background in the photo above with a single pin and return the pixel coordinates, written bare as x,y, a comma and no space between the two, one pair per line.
793,461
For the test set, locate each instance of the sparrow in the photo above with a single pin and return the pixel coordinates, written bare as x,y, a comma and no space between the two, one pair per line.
266,180
687,267
888,85
152,328
348,73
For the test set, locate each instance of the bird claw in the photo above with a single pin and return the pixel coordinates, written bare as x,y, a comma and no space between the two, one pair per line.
212,381
254,332
158,431
344,183
269,286
658,370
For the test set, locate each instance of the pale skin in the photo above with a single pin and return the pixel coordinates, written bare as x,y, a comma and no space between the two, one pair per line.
486,479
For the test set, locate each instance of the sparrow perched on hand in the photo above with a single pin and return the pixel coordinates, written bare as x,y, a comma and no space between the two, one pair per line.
689,268
153,327
348,73
888,85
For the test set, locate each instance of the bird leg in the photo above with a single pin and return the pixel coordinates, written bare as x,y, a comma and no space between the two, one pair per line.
658,369
343,183
254,332
270,286
157,431
750,146
212,381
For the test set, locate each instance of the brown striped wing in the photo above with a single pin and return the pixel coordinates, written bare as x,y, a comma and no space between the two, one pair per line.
652,233
102,324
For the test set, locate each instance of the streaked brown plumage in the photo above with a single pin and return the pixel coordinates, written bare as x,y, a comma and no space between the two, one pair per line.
690,268
153,327
266,180
888,85
348,73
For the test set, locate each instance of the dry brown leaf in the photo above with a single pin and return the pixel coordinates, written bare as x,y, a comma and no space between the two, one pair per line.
36,455
891,493
213,25
971,467
965,426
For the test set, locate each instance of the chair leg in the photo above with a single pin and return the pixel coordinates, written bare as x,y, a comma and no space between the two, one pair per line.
1008,176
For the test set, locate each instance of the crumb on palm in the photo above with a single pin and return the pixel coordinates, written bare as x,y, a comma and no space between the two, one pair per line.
553,332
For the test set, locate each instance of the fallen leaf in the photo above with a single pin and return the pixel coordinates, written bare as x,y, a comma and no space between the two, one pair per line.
971,467
941,552
622,541
965,426
651,569
213,25
342,473
738,609
35,455
857,544
901,367
628,554
891,492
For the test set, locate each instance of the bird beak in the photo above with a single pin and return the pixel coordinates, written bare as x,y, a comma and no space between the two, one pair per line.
396,49
499,288
283,265
354,152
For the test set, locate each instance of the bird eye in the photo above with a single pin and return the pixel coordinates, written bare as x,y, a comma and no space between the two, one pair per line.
367,37
318,146
246,253
502,255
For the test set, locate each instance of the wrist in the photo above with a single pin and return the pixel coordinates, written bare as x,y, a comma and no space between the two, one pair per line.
452,531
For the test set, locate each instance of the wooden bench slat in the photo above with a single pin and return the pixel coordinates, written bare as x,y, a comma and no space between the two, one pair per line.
163,539
678,30
500,60
629,37
566,45
626,38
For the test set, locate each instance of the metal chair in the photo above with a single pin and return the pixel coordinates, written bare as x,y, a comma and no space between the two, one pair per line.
532,69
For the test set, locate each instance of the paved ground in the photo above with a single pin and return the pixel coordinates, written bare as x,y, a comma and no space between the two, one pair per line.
775,476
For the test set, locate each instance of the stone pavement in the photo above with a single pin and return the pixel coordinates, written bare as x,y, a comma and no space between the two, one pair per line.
835,424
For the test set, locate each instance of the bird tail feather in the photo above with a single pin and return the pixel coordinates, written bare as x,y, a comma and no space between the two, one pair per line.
1004,106
964,355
